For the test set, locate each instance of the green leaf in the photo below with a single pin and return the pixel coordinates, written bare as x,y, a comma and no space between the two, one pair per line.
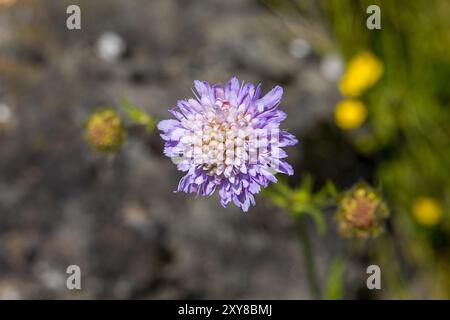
334,289
327,195
279,193
137,115
331,189
276,198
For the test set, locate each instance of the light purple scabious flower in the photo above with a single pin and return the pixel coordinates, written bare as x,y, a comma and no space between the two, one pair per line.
228,139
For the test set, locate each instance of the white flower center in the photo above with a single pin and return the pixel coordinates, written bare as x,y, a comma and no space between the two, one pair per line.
220,139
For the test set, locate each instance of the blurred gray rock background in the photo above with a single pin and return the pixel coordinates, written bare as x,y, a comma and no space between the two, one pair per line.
118,219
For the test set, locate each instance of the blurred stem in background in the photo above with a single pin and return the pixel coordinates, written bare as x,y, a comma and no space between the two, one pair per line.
386,254
308,256
302,203
334,287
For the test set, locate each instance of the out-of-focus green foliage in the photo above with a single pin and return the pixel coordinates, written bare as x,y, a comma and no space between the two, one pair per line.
302,200
334,289
138,116
399,78
408,120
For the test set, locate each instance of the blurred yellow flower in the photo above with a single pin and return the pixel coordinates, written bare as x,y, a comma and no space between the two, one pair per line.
362,72
350,114
427,211
104,131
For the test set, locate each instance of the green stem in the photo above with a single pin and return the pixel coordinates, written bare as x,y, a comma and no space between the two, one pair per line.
308,256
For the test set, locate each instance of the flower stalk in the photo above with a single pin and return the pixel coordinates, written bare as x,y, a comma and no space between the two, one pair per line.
308,257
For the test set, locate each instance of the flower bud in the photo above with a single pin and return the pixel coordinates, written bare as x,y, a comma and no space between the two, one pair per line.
104,131
361,212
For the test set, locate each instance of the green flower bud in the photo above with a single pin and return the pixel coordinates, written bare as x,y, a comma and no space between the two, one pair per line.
361,212
104,131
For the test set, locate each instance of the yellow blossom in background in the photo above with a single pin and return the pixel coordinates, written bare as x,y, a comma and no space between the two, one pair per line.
362,72
104,131
427,211
350,114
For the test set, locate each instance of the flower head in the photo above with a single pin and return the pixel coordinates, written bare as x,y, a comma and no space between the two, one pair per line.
361,211
427,211
350,114
104,131
228,139
363,71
